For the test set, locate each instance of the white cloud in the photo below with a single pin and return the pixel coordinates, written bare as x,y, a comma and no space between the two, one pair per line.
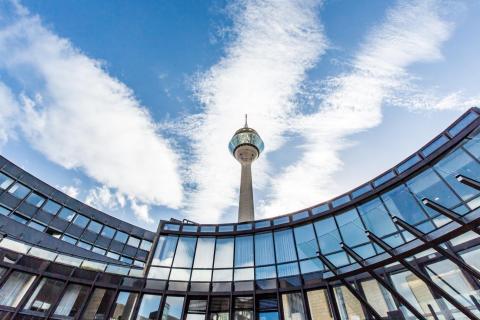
79,116
412,32
274,44
72,191
105,199
8,112
141,211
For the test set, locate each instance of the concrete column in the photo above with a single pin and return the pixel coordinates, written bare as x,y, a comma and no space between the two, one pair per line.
245,207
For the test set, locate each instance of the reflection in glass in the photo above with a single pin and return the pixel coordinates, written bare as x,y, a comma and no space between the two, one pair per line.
401,203
99,304
173,308
284,246
123,307
287,269
265,272
243,274
351,228
264,252
204,253
376,218
45,295
219,308
378,297
244,251
311,265
14,288
165,251
180,274
224,253
293,308
307,246
243,308
472,257
328,236
348,306
149,307
222,275
72,300
184,252
196,309
267,308
318,305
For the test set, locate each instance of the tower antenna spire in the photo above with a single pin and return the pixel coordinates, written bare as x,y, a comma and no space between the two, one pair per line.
246,123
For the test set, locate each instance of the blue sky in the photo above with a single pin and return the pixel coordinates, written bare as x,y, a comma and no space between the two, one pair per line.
129,106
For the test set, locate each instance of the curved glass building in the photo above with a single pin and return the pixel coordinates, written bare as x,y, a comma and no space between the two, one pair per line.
405,245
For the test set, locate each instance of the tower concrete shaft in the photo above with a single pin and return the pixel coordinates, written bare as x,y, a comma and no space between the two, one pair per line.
245,205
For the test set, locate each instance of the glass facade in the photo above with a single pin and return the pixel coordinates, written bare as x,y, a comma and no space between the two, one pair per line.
405,245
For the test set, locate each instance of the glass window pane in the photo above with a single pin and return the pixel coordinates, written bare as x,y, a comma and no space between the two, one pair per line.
377,218
224,253
45,295
14,288
378,297
173,308
293,308
51,207
244,251
201,275
284,246
265,273
108,232
99,304
180,274
5,181
66,214
204,253
19,190
123,307
149,307
328,236
165,250
184,253
196,309
351,228
311,265
428,185
222,275
94,226
318,305
267,308
459,162
121,236
81,221
348,306
72,300
35,199
415,291
134,242
307,246
401,203
243,274
264,252
219,308
158,273
287,269
146,245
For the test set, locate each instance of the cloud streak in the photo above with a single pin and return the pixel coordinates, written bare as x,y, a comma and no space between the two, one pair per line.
79,116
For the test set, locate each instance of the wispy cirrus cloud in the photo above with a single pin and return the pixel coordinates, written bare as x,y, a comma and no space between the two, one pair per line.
274,44
412,32
79,116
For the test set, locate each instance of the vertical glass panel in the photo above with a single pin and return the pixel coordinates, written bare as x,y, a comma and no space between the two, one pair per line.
149,307
378,297
72,300
19,190
45,295
307,246
184,252
351,228
15,288
201,275
123,306
328,236
243,274
219,308
287,269
180,274
401,203
265,273
108,232
267,308
244,251
121,236
95,227
348,306
318,305
416,292
293,308
66,214
459,162
284,246
35,199
5,181
450,278
264,252
51,207
376,218
173,308
196,309
81,221
429,185
165,250
224,253
204,253
99,304
223,275
243,308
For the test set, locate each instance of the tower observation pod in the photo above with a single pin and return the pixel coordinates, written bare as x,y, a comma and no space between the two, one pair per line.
246,146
